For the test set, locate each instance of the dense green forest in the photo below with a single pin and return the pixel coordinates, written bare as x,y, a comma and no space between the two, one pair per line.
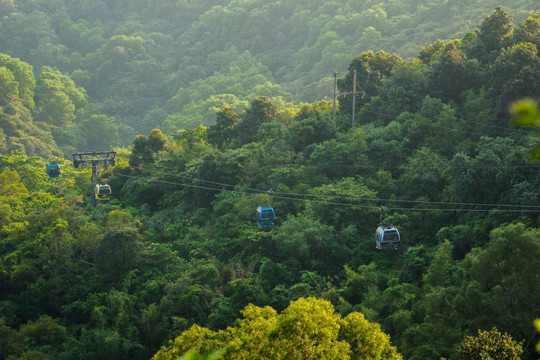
175,261
170,64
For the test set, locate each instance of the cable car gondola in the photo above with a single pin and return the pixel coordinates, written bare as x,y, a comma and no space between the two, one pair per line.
265,216
387,237
53,170
102,192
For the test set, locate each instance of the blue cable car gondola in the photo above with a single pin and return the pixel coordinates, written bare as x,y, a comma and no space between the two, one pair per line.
387,237
265,216
53,170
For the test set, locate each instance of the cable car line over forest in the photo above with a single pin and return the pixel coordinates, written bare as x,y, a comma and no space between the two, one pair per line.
277,195
282,195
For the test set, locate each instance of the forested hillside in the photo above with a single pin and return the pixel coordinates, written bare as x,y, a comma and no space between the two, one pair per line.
171,63
175,261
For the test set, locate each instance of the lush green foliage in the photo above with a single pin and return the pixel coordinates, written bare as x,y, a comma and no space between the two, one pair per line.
490,344
171,63
176,254
306,329
526,113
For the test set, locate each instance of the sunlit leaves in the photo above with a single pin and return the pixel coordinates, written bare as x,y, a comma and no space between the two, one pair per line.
12,195
537,325
490,344
307,329
529,30
526,113
145,149
366,339
24,77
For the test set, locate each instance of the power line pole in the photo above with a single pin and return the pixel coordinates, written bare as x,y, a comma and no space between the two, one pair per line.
353,92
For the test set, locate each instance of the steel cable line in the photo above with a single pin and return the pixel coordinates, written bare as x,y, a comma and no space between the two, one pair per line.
246,193
297,196
331,202
276,194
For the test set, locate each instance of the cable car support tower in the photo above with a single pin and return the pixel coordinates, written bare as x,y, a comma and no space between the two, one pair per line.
93,159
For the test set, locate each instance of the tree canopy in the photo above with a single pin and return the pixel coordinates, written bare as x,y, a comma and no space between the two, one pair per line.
174,264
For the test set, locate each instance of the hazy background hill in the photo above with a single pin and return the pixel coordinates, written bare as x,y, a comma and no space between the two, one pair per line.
171,64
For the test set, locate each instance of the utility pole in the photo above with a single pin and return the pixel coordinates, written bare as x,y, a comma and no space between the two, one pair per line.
353,92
